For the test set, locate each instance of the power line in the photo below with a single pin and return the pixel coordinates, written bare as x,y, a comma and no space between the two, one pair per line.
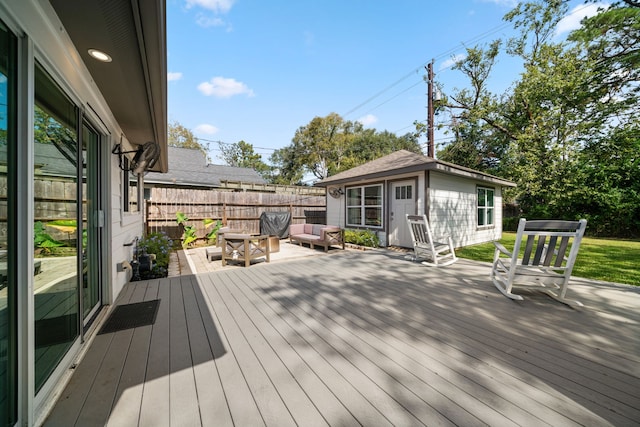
418,68
442,55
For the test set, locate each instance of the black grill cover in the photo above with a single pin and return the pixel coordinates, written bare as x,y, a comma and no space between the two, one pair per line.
275,224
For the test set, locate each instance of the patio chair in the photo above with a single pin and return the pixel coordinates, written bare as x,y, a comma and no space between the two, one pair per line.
539,258
438,251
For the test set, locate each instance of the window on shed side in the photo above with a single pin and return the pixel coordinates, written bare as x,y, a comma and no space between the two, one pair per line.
485,206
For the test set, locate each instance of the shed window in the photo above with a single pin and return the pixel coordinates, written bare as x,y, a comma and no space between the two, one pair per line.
485,207
403,192
364,206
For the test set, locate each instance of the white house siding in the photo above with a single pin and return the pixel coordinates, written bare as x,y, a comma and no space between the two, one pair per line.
125,228
452,209
335,209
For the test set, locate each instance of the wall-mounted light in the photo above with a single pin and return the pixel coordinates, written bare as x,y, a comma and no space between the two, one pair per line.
99,55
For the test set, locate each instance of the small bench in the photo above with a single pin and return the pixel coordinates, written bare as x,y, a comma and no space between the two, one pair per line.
316,235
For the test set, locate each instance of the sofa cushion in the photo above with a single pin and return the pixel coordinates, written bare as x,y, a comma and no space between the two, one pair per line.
308,228
296,228
307,237
317,229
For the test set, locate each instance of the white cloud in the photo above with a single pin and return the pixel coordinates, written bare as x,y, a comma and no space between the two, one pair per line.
211,21
368,120
572,20
221,87
206,129
451,61
505,3
212,9
217,6
174,76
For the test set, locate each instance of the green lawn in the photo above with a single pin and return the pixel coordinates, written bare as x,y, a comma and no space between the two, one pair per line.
601,259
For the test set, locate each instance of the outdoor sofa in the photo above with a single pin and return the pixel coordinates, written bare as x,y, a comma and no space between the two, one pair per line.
316,235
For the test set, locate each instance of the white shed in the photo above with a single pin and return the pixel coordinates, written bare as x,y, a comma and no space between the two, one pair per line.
461,202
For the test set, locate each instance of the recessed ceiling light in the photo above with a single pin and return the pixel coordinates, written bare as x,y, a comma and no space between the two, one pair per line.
99,55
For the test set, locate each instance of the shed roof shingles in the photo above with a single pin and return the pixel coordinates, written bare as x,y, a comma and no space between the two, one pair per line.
404,161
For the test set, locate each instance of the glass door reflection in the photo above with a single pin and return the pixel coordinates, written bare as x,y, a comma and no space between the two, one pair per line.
56,232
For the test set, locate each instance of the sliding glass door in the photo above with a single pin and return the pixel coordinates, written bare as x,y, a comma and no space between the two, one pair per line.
93,224
56,231
68,224
8,282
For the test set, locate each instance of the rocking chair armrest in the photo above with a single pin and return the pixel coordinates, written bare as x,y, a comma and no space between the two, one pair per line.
501,248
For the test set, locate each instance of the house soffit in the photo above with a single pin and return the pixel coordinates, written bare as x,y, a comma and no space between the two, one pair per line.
134,83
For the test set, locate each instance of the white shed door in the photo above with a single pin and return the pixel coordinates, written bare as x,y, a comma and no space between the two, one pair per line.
402,202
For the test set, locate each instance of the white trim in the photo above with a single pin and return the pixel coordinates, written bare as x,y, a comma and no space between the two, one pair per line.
364,207
24,246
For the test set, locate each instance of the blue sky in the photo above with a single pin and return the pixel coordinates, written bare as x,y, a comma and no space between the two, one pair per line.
257,70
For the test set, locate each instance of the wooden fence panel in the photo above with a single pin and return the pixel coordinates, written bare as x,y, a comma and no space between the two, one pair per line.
238,210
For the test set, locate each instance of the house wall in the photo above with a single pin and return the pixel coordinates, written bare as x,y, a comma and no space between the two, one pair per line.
42,39
453,209
335,209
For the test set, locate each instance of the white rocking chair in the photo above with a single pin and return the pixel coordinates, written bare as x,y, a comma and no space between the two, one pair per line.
437,252
543,263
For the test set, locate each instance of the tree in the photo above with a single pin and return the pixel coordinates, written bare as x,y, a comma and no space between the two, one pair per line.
370,144
480,133
180,136
329,145
242,155
286,169
321,145
610,41
572,100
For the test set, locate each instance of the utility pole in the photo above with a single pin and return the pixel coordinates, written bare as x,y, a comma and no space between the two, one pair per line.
430,123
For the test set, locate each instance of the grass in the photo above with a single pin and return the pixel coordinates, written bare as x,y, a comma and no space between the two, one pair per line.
599,259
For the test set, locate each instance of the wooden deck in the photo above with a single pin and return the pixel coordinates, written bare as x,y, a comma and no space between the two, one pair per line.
361,338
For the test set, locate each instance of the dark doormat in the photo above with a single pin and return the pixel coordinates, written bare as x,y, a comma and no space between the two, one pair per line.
129,316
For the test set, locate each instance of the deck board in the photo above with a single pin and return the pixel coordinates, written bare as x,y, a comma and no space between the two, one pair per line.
361,338
213,406
183,398
239,399
460,406
154,409
266,396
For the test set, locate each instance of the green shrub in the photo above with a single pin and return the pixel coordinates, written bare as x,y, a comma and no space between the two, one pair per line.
366,238
212,234
159,244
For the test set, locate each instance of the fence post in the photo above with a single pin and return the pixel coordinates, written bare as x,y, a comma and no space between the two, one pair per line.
224,214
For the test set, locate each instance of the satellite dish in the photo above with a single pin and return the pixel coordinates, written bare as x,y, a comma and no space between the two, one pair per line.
335,192
146,156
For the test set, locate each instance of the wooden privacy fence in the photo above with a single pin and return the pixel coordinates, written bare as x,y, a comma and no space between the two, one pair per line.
237,210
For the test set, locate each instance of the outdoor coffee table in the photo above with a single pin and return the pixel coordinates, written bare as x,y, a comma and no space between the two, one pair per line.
244,247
